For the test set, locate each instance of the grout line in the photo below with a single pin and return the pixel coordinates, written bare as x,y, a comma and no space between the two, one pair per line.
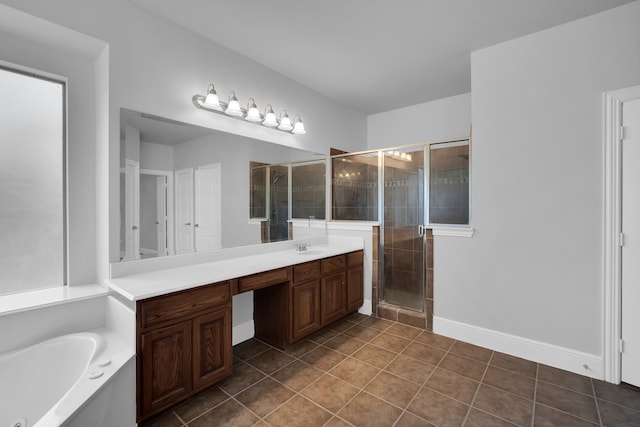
179,418
480,382
361,389
595,398
424,384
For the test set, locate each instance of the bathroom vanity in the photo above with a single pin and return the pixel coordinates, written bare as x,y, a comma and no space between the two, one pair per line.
184,322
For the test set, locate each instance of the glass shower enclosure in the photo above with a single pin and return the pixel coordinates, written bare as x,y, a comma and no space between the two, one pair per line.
406,190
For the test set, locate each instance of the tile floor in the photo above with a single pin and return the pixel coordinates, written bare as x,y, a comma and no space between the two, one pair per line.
367,371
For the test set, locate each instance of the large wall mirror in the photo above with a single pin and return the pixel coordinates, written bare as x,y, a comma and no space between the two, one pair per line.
185,188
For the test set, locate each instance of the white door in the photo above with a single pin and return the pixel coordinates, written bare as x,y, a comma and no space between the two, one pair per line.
161,214
631,247
131,210
208,207
184,211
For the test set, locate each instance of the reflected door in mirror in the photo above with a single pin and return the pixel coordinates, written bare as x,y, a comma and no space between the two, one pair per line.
184,211
207,208
131,214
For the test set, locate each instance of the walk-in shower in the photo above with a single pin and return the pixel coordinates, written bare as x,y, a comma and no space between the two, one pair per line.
407,190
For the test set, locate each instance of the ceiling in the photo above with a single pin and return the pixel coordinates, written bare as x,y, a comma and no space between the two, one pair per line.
372,55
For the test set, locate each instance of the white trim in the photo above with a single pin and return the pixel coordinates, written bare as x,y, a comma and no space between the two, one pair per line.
40,298
541,352
242,332
452,230
308,223
366,308
352,225
256,221
611,257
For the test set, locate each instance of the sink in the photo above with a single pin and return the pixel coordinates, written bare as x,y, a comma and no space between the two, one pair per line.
311,252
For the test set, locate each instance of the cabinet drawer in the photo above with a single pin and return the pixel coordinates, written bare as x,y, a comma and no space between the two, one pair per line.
306,271
261,280
167,308
333,264
354,259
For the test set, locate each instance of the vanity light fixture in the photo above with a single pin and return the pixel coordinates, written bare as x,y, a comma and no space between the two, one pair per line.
233,107
395,154
298,126
285,121
270,117
211,102
253,115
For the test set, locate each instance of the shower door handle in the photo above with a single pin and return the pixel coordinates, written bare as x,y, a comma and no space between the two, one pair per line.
421,230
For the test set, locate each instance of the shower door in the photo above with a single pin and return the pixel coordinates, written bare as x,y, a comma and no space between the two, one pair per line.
403,274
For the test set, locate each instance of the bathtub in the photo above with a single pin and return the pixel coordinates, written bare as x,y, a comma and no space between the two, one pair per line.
48,383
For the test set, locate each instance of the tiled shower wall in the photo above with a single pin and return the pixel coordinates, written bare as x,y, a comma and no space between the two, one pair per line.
308,191
422,320
354,190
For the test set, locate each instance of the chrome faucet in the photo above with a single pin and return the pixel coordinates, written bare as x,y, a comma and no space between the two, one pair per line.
302,246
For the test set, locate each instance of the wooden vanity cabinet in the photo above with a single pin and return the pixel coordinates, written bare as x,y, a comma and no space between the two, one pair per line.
355,280
183,345
184,338
304,316
318,293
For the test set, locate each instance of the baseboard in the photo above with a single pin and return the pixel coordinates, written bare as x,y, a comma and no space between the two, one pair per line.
242,332
366,308
548,354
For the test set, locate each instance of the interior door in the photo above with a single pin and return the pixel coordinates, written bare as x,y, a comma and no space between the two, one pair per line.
184,211
631,243
161,214
207,208
131,210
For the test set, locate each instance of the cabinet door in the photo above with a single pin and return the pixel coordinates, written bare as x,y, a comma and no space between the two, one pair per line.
355,288
212,353
333,294
305,309
165,375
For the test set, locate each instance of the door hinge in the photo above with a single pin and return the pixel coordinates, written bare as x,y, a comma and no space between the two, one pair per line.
621,346
623,132
621,239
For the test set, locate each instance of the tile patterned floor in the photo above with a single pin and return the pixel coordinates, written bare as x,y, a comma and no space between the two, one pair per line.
367,371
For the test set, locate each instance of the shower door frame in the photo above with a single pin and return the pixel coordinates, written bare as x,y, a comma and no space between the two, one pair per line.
414,148
426,224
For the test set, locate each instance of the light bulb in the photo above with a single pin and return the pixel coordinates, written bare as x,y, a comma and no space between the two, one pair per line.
233,108
298,127
270,117
253,115
285,121
212,100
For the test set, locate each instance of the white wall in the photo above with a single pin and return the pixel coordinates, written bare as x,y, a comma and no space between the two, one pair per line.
155,66
533,269
156,156
447,118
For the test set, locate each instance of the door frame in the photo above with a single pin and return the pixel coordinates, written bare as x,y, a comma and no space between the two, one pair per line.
612,257
168,175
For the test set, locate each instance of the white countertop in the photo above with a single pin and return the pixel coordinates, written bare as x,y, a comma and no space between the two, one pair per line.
149,284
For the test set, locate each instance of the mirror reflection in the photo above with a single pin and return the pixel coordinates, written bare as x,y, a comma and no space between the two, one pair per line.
185,188
287,191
